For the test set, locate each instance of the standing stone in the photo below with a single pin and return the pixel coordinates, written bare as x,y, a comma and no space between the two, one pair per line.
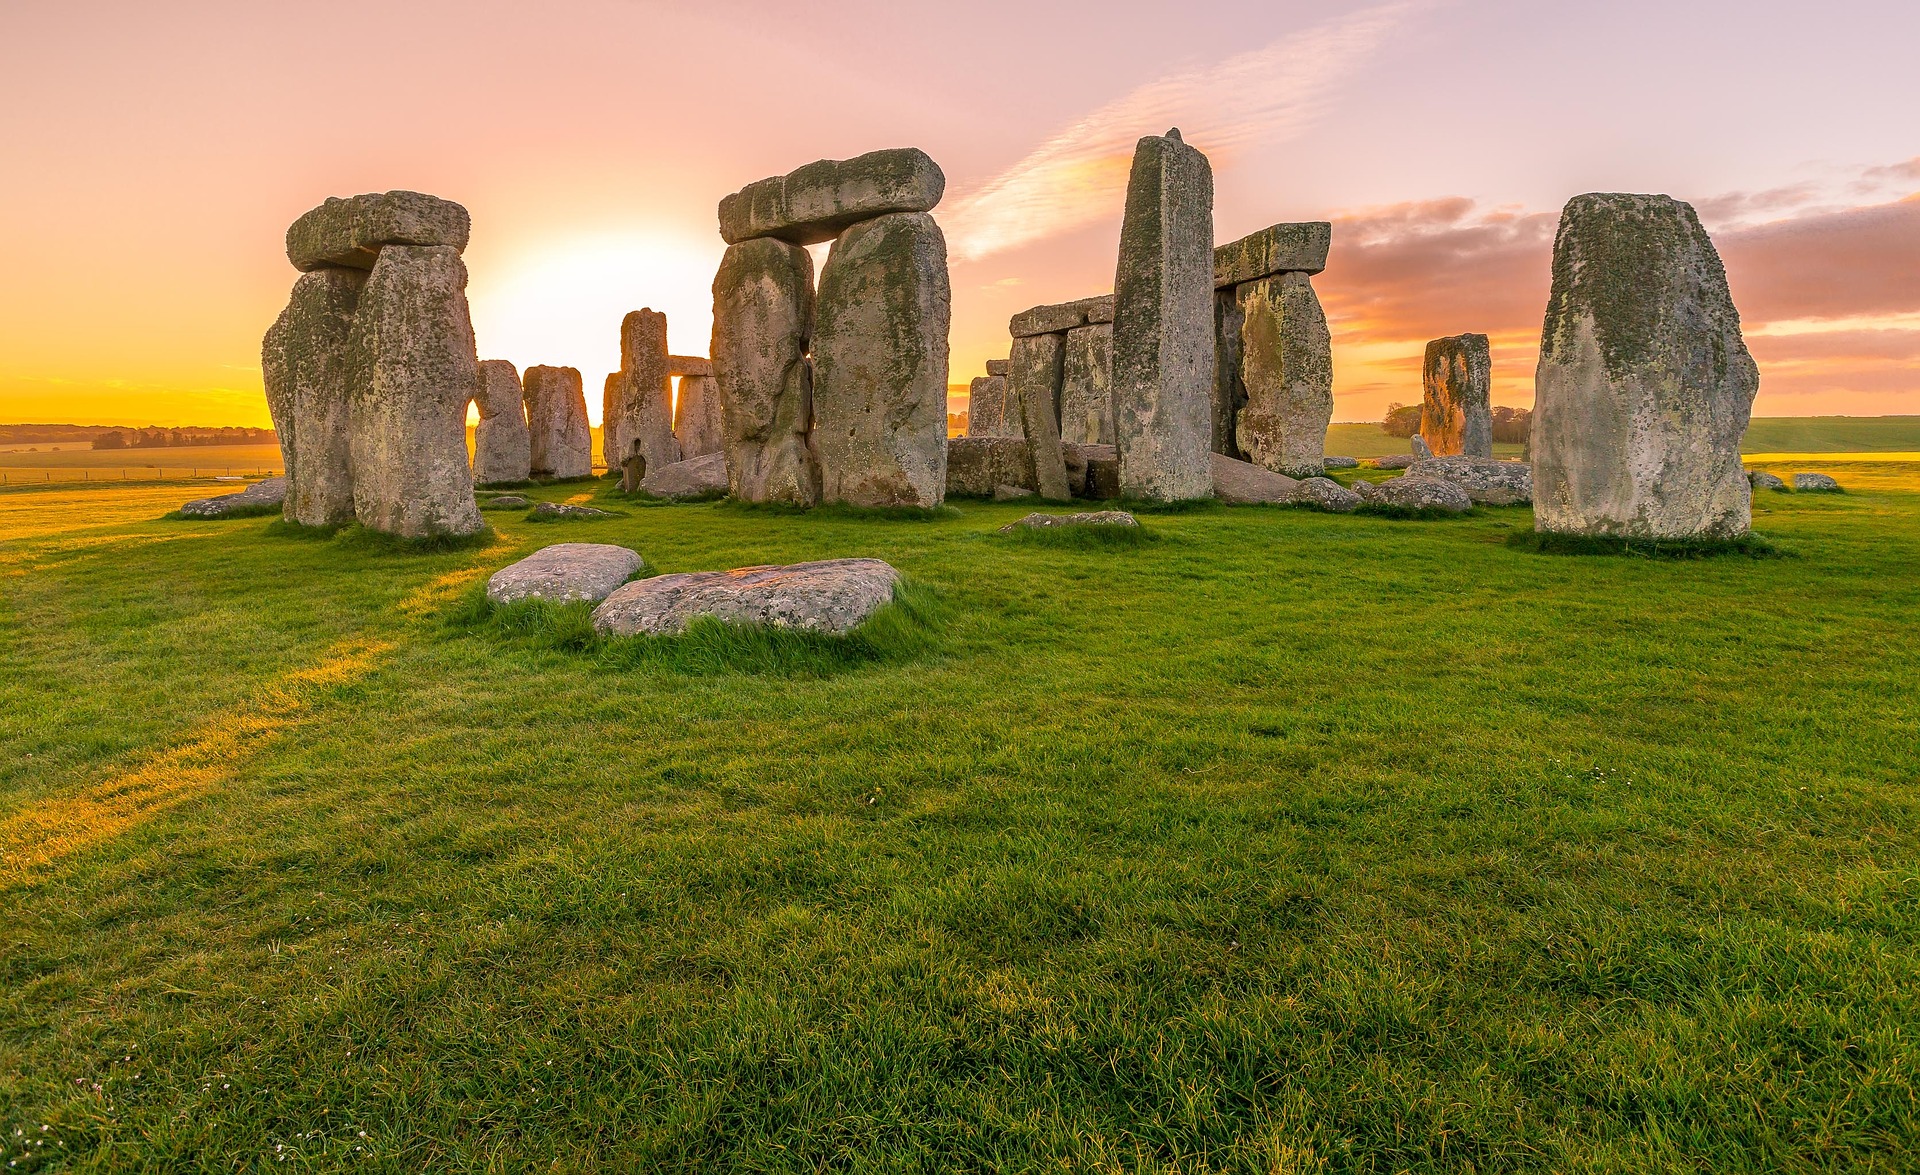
613,444
304,362
696,417
1644,385
762,311
1086,390
414,370
1163,360
1286,366
646,390
502,447
1456,380
1039,363
1229,390
987,406
880,364
562,440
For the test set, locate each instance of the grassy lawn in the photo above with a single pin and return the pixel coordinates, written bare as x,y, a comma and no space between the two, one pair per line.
1287,842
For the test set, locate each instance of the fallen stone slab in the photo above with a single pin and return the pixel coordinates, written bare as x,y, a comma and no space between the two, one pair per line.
1416,493
1090,518
1397,461
817,202
1322,493
564,572
351,232
504,502
977,466
695,477
1340,462
1760,479
830,596
1243,483
258,498
557,511
1061,317
1486,480
1281,248
1012,493
1815,483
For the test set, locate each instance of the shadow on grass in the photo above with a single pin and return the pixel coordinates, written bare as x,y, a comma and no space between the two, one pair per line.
354,537
841,511
251,510
901,630
535,515
1080,538
1750,546
1411,513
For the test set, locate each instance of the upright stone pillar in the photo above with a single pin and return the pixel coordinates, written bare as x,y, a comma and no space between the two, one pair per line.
1037,366
1229,390
305,364
762,316
414,372
1286,368
880,364
613,442
646,390
986,405
1456,383
1163,355
562,439
502,447
696,417
1086,387
1644,386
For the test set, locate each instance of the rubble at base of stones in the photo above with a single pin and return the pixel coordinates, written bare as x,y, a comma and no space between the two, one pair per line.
698,477
1760,479
1415,493
1815,483
1397,461
1487,481
1323,493
1340,462
565,572
566,512
1091,518
260,496
828,596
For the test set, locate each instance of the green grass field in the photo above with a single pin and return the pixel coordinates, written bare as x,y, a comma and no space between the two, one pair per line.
1286,842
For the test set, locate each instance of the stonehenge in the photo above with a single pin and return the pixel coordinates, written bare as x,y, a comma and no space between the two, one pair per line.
1456,384
637,414
1273,384
303,361
561,439
502,447
839,394
696,407
1644,384
1163,346
987,404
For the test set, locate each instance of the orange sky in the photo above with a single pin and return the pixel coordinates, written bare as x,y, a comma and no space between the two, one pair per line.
157,152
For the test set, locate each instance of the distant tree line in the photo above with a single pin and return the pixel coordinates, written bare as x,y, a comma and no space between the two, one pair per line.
1510,425
174,438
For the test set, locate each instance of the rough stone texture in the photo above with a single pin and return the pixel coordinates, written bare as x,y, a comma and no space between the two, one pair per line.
1340,462
977,466
502,447
1815,483
1494,483
762,319
1421,452
880,364
1243,481
1286,369
1039,365
612,443
1644,385
1091,518
304,362
987,406
689,365
1086,389
562,511
1417,493
565,572
1397,461
1456,382
696,417
695,477
505,502
645,397
1061,317
1229,393
998,367
351,231
1760,479
1322,493
1163,355
832,596
821,200
262,494
1074,457
413,370
562,440
1103,472
1282,248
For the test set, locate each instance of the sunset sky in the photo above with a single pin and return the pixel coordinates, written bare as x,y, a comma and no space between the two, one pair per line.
155,154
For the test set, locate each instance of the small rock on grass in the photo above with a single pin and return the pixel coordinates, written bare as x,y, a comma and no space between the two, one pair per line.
504,502
1417,493
1398,461
1760,479
564,572
1009,493
552,511
1815,483
1322,493
270,492
1340,462
1091,518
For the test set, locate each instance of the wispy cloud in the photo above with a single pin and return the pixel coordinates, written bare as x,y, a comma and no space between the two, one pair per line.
1079,175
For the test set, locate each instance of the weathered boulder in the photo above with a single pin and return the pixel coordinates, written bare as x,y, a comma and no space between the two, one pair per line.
560,438
613,392
1760,479
1011,493
1456,383
987,406
1644,385
261,496
831,596
1323,493
1244,482
565,572
689,365
1281,248
977,466
352,231
1163,355
1416,493
1086,386
696,477
1397,461
1421,451
1091,518
1815,483
505,502
567,512
1038,366
1487,481
821,200
1061,317
762,318
880,364
644,401
502,447
413,370
304,363
1340,462
696,418
1286,371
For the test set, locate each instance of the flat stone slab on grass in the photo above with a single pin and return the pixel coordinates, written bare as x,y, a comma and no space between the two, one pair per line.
565,572
1243,482
505,502
555,511
830,596
693,478
1417,493
1486,480
1090,518
1397,461
1323,493
1340,462
260,495
1815,483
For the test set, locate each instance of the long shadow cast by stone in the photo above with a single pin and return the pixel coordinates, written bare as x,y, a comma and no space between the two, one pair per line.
840,512
1750,546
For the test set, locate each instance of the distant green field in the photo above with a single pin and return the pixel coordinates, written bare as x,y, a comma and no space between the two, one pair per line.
1767,434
